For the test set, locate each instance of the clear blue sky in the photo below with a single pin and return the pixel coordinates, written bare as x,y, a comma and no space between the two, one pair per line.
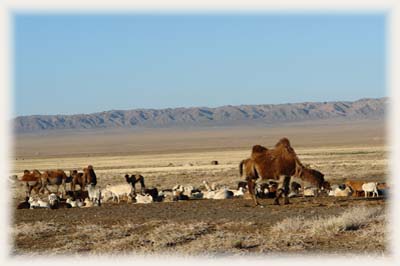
66,64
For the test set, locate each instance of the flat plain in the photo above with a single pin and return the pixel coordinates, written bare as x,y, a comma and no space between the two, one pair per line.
166,157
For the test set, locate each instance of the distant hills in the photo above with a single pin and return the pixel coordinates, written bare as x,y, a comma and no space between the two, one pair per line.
204,116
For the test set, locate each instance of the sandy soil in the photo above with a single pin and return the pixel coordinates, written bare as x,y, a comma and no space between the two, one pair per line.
207,227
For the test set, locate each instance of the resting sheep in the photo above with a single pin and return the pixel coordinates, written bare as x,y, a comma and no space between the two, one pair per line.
310,192
144,199
346,192
25,204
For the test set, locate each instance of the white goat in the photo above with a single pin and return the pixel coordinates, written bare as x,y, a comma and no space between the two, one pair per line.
119,190
370,187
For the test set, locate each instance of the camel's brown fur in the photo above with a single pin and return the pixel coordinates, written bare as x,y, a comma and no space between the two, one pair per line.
33,181
272,164
54,177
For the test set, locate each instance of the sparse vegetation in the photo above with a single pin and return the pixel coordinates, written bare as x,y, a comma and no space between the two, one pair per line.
207,227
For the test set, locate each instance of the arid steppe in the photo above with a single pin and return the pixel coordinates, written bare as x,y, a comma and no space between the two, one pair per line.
166,157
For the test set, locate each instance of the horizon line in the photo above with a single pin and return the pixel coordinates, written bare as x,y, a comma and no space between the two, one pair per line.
188,107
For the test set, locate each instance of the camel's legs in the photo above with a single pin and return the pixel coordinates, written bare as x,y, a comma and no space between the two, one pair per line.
283,188
286,184
251,185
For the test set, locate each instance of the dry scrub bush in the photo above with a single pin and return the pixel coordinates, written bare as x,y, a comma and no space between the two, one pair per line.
296,232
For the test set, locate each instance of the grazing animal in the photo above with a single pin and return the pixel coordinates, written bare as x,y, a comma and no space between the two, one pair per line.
54,177
262,190
382,189
242,184
153,192
214,162
314,177
32,181
186,190
118,191
25,204
271,164
370,187
295,187
310,191
356,187
77,178
197,195
178,195
90,175
144,198
73,203
346,192
238,193
53,201
133,179
218,194
94,194
88,203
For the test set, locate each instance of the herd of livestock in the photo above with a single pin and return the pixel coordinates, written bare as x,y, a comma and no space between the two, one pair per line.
267,174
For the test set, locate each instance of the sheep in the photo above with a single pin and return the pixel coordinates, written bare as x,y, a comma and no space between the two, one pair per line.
43,204
75,203
25,204
166,195
197,195
218,194
35,204
119,190
347,191
153,192
94,194
242,184
144,198
370,187
87,203
53,199
239,192
178,195
310,192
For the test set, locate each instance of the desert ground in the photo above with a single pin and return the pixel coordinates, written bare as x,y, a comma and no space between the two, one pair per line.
166,157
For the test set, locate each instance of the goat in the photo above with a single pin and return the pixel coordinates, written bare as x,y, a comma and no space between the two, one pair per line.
119,190
370,187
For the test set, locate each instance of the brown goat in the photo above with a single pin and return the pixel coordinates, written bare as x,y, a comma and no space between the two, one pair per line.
356,187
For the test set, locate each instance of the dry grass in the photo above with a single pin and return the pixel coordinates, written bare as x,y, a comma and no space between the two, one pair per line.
163,158
361,225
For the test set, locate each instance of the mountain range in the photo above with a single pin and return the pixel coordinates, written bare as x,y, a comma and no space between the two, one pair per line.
205,116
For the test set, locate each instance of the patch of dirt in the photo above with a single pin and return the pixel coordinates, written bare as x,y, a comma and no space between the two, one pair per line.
188,227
